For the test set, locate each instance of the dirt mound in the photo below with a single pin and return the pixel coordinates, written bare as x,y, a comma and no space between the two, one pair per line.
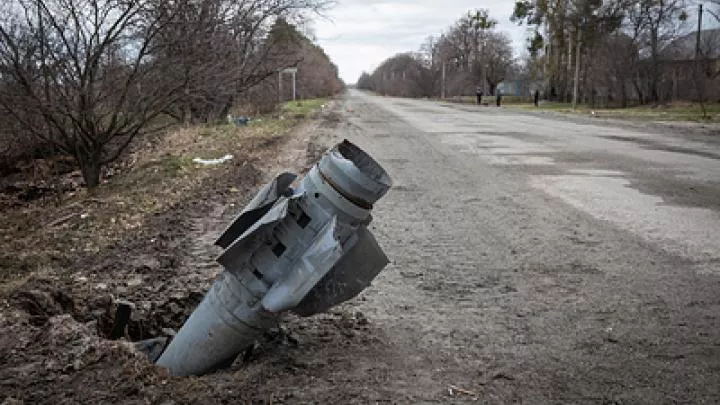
64,361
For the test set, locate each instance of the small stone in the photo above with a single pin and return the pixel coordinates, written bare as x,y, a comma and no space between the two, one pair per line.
361,319
135,282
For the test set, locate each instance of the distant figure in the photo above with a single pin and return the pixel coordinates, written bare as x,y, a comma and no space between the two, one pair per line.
498,97
479,94
536,98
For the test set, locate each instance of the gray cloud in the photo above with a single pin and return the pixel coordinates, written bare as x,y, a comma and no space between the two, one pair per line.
359,35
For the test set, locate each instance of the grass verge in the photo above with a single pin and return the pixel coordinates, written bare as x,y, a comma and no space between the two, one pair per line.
304,108
490,100
55,233
671,112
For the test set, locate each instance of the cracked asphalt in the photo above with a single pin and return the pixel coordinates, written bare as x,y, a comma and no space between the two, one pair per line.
539,260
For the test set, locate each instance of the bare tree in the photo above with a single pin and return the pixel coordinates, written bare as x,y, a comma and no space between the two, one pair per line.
431,60
714,9
551,17
498,59
469,49
468,54
90,75
658,22
401,75
225,47
365,81
78,74
615,64
317,75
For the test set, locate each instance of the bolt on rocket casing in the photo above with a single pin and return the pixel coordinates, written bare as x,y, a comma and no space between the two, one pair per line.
303,249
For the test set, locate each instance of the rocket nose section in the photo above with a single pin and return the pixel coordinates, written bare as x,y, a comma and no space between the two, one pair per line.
355,174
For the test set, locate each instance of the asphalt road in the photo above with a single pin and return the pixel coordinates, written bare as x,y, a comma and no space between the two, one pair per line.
540,260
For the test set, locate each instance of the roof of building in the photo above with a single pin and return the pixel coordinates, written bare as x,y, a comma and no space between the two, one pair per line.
683,48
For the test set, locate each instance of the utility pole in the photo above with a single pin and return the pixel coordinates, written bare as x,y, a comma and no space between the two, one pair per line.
577,67
699,74
699,29
442,80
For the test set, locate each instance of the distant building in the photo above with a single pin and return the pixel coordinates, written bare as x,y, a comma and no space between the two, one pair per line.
609,83
679,66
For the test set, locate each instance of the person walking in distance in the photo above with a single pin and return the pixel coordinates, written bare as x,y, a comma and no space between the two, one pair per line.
498,97
479,94
536,97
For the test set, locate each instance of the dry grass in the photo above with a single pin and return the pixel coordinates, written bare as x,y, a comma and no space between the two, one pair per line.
54,232
304,108
678,111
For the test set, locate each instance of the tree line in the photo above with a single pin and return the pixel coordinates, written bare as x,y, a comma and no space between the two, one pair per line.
649,51
470,53
608,52
86,77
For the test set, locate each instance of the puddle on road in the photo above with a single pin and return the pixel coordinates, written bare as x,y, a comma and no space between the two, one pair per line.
687,231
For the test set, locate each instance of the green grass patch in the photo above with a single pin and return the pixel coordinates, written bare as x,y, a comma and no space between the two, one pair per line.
174,164
303,108
158,174
173,158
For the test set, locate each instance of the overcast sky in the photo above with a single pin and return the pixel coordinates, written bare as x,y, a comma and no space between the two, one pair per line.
361,34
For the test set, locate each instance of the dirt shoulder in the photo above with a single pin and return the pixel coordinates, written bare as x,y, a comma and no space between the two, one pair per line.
146,238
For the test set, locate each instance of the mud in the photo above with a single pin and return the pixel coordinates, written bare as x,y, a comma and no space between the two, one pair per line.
57,322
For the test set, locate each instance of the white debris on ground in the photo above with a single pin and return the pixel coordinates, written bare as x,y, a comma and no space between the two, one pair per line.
210,162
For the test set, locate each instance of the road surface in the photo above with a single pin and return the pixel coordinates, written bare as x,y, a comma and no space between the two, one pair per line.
538,260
